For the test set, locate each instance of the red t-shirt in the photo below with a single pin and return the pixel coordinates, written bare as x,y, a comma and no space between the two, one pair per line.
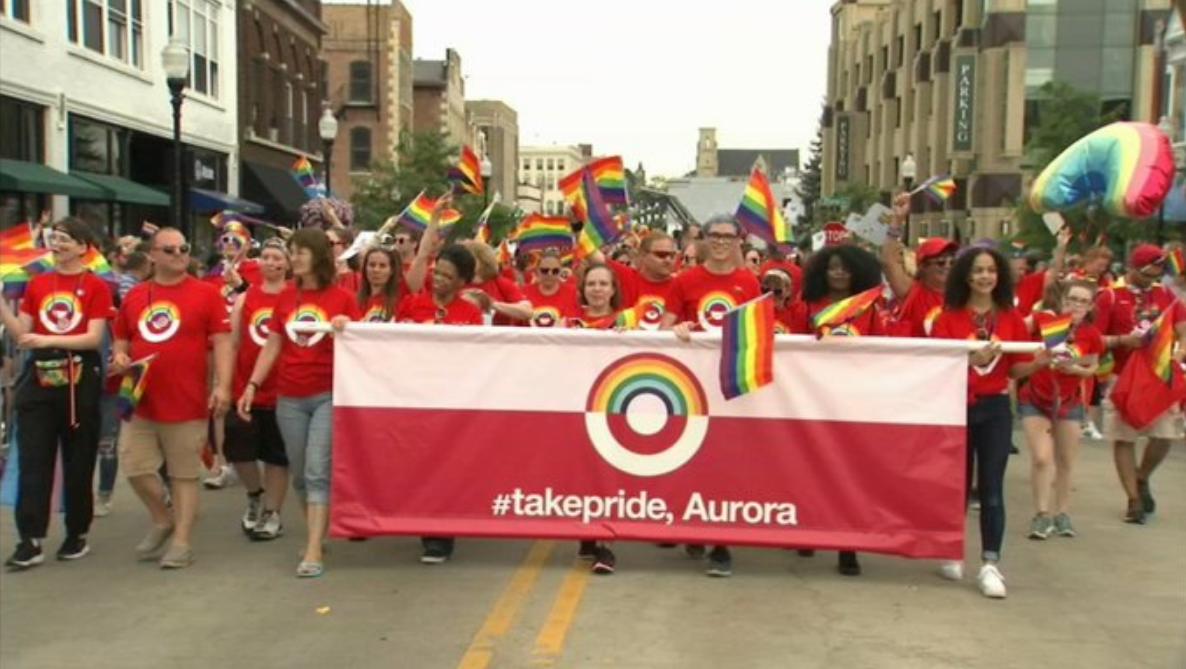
307,360
791,318
174,322
422,308
917,312
550,311
350,282
583,320
502,289
65,304
248,270
1029,292
992,379
1044,384
1125,310
255,319
376,310
637,289
870,323
701,297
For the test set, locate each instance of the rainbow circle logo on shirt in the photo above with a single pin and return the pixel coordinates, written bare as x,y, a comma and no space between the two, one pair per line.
650,317
713,307
646,414
545,317
928,323
376,314
257,325
60,311
159,321
306,313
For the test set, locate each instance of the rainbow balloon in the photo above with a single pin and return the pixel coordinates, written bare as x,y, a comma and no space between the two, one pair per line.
1126,167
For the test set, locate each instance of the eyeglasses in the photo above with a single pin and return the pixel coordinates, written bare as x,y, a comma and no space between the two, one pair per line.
61,238
721,236
1077,301
664,255
550,270
171,250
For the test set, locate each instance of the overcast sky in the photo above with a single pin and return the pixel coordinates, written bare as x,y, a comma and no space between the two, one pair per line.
639,77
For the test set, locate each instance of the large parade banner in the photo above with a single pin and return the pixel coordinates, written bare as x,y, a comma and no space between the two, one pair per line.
525,432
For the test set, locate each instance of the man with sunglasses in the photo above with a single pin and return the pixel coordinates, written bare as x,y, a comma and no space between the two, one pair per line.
652,281
1124,313
172,316
920,298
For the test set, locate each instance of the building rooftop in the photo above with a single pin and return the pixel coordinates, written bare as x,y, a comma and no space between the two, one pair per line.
739,162
429,72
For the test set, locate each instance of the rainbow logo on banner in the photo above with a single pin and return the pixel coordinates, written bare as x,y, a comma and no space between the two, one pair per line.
159,321
546,317
306,313
257,325
647,414
60,312
713,307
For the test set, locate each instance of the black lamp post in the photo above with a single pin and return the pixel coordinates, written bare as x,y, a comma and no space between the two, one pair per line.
175,61
909,173
327,127
487,170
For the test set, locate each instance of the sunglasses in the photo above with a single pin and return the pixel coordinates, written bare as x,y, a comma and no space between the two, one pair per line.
721,236
664,255
550,270
174,250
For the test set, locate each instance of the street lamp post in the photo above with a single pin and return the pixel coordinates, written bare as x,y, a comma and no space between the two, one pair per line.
175,62
909,172
327,127
487,170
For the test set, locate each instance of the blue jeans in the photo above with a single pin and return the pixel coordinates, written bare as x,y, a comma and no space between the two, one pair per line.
306,424
108,438
990,434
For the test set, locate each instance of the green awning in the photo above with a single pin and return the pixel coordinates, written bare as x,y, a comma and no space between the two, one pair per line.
19,176
119,189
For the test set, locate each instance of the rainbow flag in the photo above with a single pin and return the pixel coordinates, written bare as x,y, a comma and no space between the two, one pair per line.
1055,330
483,233
132,387
14,268
839,313
17,238
96,262
747,347
759,211
1160,346
505,257
574,194
1175,262
631,319
302,170
467,175
600,227
939,188
419,212
610,176
537,233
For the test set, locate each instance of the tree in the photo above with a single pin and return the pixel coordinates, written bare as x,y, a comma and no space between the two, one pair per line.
811,180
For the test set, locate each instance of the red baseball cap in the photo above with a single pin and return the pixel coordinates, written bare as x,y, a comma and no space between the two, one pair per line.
1144,255
935,247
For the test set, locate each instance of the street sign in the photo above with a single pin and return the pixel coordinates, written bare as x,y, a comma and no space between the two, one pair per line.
835,233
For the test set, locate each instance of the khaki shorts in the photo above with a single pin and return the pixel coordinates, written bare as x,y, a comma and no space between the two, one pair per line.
144,445
1169,426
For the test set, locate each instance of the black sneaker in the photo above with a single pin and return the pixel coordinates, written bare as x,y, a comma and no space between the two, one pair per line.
437,551
587,550
73,548
27,554
694,551
720,562
604,563
1148,504
848,564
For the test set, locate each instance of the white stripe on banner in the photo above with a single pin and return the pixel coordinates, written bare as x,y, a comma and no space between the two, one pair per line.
866,379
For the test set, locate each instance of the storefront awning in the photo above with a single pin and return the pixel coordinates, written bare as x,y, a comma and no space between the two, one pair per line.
119,189
275,188
19,176
208,201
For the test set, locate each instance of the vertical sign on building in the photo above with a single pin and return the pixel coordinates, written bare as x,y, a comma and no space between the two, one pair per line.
965,98
842,140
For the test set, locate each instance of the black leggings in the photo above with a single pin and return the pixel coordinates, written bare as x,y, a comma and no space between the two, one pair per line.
990,433
43,422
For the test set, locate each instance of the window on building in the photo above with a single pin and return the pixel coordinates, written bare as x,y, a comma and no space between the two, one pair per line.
539,164
917,36
360,82
550,165
22,133
884,57
869,68
360,149
900,47
195,24
526,164
560,163
898,112
97,147
15,9
286,135
938,26
114,28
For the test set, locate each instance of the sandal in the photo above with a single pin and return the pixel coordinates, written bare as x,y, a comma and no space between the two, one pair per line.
310,569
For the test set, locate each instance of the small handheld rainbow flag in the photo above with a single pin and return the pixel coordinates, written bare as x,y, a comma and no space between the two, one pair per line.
1160,346
537,233
302,170
600,227
15,268
630,319
419,212
574,193
1055,330
17,238
505,257
610,176
839,313
1175,262
759,211
939,188
467,174
483,233
131,389
747,347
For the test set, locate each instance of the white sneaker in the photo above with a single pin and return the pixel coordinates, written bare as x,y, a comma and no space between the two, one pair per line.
952,570
1090,431
223,478
992,584
102,507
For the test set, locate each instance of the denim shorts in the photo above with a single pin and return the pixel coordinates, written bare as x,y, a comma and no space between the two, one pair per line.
1074,414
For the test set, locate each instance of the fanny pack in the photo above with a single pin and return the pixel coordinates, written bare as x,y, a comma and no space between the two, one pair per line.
58,372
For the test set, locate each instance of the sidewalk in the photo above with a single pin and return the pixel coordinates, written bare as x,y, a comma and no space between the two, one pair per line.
1114,597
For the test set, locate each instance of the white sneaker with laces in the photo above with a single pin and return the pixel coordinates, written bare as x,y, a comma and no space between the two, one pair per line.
992,583
1090,431
224,477
102,507
952,570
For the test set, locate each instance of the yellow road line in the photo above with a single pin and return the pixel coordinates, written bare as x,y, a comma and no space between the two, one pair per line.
502,616
550,642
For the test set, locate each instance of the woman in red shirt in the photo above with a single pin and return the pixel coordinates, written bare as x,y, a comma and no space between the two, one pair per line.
304,379
787,309
382,286
552,299
259,439
978,305
1052,406
61,322
599,297
493,292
